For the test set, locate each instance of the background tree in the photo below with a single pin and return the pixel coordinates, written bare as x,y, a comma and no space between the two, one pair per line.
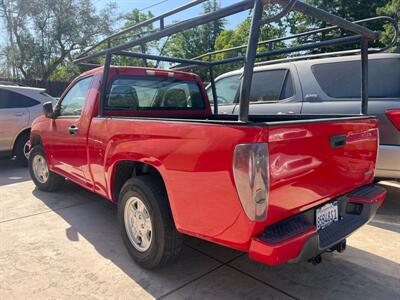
391,9
42,34
234,38
133,18
351,10
194,42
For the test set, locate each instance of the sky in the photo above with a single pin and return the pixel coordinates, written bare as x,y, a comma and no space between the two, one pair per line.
158,7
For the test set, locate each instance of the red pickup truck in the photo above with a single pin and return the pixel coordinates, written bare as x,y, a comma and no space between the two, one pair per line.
283,188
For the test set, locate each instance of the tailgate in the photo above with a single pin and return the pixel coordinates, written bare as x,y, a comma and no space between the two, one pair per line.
318,160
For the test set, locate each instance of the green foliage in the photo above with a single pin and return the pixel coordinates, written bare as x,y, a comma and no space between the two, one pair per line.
197,41
131,19
391,9
43,35
65,71
239,37
351,10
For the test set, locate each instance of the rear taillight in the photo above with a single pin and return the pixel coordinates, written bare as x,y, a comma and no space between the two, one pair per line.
394,116
251,174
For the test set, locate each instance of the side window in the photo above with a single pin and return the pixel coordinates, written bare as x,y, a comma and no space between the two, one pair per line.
227,89
72,103
3,99
343,79
271,86
10,99
288,90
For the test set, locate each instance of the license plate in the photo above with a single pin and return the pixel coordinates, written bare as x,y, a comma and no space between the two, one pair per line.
326,215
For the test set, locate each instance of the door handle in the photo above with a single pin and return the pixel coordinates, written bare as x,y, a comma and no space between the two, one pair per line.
18,114
73,129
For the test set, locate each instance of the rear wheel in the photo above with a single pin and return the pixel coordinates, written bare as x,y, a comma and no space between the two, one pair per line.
147,227
43,178
22,148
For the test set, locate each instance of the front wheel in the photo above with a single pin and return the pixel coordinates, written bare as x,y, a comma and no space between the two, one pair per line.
43,178
22,148
147,226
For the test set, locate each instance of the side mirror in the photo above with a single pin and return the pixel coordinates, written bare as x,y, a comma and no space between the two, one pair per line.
48,110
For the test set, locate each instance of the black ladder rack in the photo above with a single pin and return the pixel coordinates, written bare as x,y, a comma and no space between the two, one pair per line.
361,34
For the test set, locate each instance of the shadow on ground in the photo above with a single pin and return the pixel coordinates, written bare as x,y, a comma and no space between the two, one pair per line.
12,171
356,274
203,271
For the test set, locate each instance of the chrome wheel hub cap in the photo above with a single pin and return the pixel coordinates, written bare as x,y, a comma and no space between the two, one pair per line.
40,168
27,149
138,224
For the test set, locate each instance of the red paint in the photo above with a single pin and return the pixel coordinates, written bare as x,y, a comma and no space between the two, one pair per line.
378,199
279,253
195,162
290,249
394,117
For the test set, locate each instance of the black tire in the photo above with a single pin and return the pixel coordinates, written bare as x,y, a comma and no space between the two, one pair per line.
53,182
166,243
19,148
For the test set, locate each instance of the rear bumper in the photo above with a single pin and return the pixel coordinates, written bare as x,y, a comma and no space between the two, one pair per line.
297,239
388,165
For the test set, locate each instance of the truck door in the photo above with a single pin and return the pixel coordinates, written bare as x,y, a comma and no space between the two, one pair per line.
67,140
273,92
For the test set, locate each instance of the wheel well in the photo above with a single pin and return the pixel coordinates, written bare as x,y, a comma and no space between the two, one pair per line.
25,131
128,169
36,140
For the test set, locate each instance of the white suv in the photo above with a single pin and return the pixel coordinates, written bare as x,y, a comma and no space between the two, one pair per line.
19,106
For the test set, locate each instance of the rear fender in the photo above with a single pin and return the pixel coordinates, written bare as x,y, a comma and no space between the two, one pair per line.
135,159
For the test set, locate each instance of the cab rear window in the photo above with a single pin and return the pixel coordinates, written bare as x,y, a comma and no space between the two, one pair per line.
343,79
154,93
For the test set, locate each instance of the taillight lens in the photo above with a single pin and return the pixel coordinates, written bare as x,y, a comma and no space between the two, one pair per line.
394,117
251,174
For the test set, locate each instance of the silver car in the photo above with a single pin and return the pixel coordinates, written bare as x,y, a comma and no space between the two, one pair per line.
325,86
19,106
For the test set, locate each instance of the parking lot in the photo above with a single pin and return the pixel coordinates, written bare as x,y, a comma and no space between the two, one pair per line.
67,245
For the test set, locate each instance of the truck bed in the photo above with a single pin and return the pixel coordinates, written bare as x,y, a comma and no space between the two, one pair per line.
307,164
